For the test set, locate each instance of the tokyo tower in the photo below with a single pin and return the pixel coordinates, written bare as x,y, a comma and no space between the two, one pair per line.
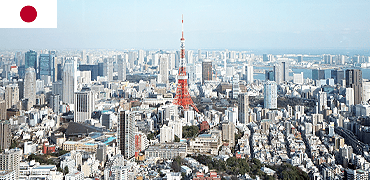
182,97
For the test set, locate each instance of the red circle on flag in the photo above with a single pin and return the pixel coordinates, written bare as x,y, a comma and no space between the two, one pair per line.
28,14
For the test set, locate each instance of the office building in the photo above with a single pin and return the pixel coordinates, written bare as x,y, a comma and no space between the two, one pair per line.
140,58
69,81
126,134
228,133
121,62
269,76
270,95
30,86
249,74
298,78
300,58
322,100
189,57
163,69
83,57
54,103
10,159
5,134
278,73
84,104
337,75
11,95
44,67
2,109
243,108
31,60
318,74
284,72
235,86
94,69
354,81
328,59
206,70
53,66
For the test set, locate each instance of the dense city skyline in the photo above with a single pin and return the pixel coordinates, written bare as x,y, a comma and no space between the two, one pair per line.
208,25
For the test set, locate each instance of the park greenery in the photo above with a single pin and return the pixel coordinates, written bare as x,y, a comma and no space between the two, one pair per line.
235,166
190,131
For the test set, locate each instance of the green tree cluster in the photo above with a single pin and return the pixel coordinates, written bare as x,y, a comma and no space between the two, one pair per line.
190,131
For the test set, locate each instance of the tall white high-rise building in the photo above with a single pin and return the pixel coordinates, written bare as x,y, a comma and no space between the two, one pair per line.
83,57
322,100
163,69
30,86
189,57
69,80
121,62
249,74
366,91
132,56
167,134
84,104
126,134
108,69
350,97
243,107
10,159
140,58
270,95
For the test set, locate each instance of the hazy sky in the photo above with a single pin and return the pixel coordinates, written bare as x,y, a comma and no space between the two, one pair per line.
212,24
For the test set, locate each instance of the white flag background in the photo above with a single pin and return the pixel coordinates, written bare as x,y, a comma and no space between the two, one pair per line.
10,13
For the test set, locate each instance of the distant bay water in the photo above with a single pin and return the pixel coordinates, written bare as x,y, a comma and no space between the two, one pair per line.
307,73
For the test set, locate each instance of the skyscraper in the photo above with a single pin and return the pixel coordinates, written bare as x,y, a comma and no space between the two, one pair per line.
31,60
53,65
11,95
270,95
54,103
318,74
243,106
285,71
300,58
337,75
30,86
44,68
121,62
83,57
249,74
2,110
278,73
84,105
189,57
69,81
269,76
126,134
140,58
10,159
5,134
322,100
206,70
354,80
328,59
163,69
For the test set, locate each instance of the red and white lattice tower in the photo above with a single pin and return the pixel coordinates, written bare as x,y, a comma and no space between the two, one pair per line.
182,97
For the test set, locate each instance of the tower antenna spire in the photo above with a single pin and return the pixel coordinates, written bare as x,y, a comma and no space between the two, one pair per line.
182,24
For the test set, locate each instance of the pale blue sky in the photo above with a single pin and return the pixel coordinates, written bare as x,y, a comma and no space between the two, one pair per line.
212,24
